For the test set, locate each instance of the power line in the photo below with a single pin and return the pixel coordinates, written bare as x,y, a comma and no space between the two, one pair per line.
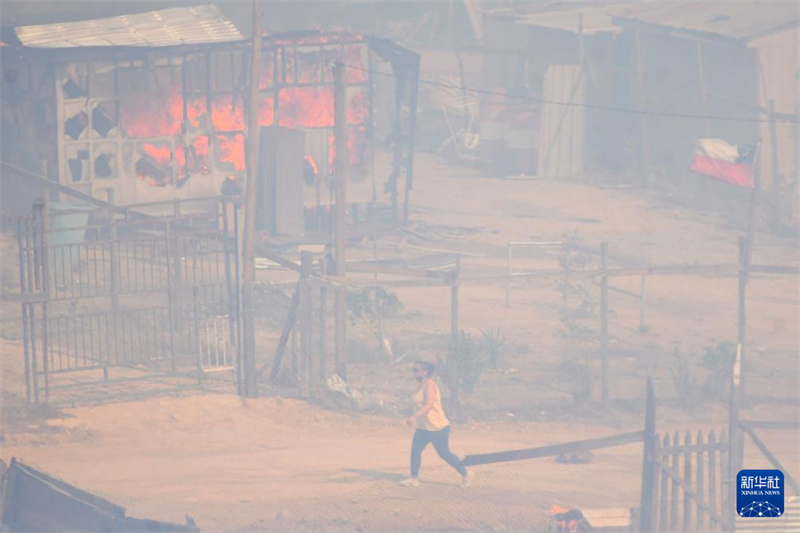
572,104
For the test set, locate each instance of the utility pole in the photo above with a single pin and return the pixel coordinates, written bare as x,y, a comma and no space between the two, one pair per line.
340,182
248,271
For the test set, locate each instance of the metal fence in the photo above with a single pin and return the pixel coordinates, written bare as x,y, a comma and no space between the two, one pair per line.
105,289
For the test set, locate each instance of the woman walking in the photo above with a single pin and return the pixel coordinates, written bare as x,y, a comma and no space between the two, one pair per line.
432,426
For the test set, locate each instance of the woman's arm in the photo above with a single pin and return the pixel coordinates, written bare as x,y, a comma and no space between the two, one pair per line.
428,400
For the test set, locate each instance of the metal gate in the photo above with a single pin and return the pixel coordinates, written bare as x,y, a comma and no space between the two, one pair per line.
119,296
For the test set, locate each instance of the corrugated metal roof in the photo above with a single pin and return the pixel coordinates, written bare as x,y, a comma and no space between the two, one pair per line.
595,19
167,27
737,20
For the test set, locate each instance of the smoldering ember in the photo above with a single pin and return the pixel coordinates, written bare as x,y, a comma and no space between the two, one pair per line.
455,265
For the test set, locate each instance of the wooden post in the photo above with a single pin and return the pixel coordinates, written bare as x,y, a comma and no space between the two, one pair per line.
735,440
306,387
604,323
288,328
248,270
673,503
742,318
340,179
712,478
508,273
701,487
323,323
726,487
687,478
648,461
642,327
454,338
664,492
645,155
777,212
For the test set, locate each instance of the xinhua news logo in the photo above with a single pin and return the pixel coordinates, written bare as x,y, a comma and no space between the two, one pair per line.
759,493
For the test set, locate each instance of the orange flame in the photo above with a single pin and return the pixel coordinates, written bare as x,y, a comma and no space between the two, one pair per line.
310,161
558,509
148,109
160,157
231,149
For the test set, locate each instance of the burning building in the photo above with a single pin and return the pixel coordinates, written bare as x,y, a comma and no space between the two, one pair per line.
152,107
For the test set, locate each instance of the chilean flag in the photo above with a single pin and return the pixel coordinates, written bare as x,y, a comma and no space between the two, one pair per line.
728,162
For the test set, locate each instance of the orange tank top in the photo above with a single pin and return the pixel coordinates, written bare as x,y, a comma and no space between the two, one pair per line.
433,420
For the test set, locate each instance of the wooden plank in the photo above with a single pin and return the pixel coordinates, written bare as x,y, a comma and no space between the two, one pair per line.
693,448
650,524
701,487
673,508
89,498
44,506
724,493
687,478
604,324
3,488
677,270
676,480
769,424
774,269
772,459
712,480
662,513
288,326
364,266
649,482
282,261
554,449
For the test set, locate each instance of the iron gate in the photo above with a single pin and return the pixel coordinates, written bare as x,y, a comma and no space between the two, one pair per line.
115,295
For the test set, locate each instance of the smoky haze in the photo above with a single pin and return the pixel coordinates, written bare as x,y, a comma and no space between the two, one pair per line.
398,266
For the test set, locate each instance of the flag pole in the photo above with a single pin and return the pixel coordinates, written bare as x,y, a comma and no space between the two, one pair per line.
751,217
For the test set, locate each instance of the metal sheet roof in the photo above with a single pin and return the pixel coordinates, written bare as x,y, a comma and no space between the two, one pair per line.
595,19
167,27
742,20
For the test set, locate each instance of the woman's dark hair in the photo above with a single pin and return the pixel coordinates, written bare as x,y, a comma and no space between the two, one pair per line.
429,368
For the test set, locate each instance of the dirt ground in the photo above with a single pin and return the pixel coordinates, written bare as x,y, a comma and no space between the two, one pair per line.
282,464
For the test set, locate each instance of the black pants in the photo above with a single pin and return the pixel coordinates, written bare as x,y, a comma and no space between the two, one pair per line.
441,442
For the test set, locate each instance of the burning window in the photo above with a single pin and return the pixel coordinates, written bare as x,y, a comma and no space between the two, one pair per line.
151,103
227,112
230,151
154,164
196,109
267,71
306,107
197,161
355,57
266,110
309,63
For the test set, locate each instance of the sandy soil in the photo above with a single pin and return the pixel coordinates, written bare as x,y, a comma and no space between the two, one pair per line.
280,464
